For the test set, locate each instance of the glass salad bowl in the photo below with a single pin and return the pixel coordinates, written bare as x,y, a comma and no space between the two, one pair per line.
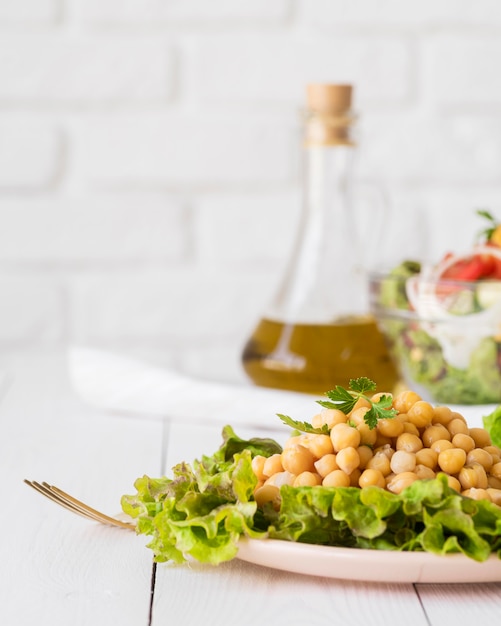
443,326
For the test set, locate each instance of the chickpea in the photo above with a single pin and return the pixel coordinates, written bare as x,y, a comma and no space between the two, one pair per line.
337,478
329,418
381,440
307,479
348,460
357,416
377,396
495,453
480,436
326,465
451,461
267,493
428,457
272,465
319,445
478,455
457,426
496,470
399,482
420,414
403,461
461,440
371,477
405,400
297,459
386,449
435,433
390,427
424,473
442,415
380,462
365,454
473,476
344,436
476,493
355,477
440,445
367,435
409,442
257,465
280,478
361,402
454,483
493,482
495,495
412,429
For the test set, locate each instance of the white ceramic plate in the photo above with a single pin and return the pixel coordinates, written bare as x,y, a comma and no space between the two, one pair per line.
368,565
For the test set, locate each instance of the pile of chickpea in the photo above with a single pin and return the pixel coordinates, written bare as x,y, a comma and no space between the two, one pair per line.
418,443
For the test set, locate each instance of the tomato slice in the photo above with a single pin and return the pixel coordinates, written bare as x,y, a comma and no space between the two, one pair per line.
472,268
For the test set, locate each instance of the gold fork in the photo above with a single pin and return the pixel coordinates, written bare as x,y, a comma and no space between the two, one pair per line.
76,506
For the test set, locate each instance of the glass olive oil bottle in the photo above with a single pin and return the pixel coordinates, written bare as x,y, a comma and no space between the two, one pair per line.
317,333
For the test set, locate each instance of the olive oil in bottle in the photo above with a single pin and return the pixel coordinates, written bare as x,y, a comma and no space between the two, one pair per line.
317,333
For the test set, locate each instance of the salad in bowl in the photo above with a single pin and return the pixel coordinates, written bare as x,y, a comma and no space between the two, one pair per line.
443,321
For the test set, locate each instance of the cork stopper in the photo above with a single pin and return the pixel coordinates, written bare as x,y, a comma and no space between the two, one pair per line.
328,115
328,98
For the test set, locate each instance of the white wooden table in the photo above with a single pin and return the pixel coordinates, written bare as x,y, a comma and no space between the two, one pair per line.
57,569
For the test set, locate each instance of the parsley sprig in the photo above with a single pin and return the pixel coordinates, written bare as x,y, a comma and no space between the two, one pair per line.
487,232
345,399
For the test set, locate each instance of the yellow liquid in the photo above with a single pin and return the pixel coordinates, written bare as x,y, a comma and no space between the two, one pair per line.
314,358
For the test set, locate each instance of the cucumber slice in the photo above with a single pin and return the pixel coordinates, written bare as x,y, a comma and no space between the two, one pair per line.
488,293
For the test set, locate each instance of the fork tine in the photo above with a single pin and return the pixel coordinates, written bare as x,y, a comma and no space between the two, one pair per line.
102,517
76,506
51,496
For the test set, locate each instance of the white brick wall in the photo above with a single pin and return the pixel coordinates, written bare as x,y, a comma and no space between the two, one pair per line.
149,155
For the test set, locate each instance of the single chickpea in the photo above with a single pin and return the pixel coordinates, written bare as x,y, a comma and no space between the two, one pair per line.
405,400
481,437
380,462
381,440
476,494
337,478
272,465
457,426
420,414
344,436
361,402
441,445
461,440
280,478
473,476
496,470
365,454
451,461
267,493
348,459
329,418
409,442
371,477
399,482
319,445
307,479
297,459
354,477
495,453
478,455
367,435
411,429
326,465
403,461
442,415
493,482
377,396
435,433
482,476
257,465
428,457
357,416
424,473
390,427
386,449
454,483
495,495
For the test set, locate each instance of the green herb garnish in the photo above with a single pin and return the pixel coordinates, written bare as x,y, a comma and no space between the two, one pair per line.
345,400
489,231
303,427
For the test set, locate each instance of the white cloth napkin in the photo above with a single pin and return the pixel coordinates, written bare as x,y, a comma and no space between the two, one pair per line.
124,385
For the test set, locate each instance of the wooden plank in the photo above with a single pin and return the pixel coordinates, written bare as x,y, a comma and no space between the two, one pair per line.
243,593
461,605
58,568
